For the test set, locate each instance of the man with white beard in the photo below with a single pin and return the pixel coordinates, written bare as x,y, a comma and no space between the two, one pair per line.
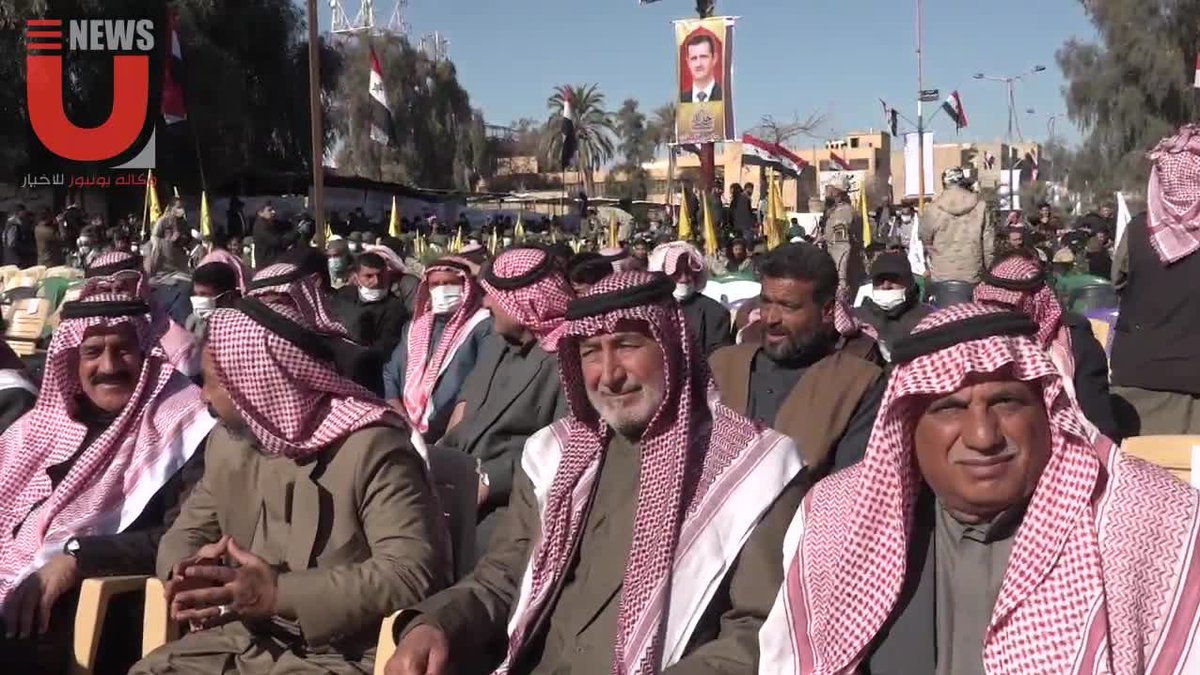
642,528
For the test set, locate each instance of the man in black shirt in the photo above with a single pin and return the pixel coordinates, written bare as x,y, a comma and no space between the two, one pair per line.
372,315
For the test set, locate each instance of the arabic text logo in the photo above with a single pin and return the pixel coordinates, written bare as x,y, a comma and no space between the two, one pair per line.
131,85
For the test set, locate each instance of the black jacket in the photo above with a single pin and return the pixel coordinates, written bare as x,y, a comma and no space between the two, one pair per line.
709,322
272,238
1091,376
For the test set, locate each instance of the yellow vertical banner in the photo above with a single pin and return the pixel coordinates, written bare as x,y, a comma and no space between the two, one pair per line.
519,229
685,230
394,222
711,245
863,213
206,225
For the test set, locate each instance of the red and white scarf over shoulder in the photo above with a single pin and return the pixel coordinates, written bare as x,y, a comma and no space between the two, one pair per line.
110,483
294,404
1039,302
1104,575
1173,195
421,374
682,547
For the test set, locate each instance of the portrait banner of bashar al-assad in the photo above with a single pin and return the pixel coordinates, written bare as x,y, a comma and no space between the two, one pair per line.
705,83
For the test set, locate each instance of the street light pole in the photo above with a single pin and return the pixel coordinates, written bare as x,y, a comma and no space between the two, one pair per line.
708,151
920,113
1010,82
314,110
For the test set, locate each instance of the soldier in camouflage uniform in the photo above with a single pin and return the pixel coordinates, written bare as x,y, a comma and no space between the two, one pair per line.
842,231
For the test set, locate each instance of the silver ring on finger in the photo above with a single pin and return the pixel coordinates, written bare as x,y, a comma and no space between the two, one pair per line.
222,610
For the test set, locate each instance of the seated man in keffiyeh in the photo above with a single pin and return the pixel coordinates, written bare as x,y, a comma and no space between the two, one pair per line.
990,528
514,389
644,529
91,477
121,272
315,517
439,347
708,319
1019,283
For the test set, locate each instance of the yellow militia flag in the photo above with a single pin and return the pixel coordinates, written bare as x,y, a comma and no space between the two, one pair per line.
711,245
776,213
206,226
519,229
394,223
328,232
152,200
613,235
866,219
457,244
685,230
493,242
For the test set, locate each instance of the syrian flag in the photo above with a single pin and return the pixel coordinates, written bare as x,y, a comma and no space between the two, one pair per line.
836,159
1196,82
891,117
382,128
954,108
757,152
793,164
173,107
569,142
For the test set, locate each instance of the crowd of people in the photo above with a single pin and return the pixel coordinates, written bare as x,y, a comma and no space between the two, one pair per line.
547,458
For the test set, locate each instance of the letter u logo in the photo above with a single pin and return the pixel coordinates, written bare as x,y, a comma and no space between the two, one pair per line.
131,92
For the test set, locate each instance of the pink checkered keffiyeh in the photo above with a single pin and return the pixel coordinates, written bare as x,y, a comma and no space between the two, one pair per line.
1173,196
1040,303
539,306
220,255
692,437
667,258
1103,572
116,475
421,374
844,321
113,271
302,293
294,404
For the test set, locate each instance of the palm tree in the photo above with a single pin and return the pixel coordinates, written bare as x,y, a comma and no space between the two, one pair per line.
594,128
662,132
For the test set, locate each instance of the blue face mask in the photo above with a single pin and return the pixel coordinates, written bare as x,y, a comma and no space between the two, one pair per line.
337,266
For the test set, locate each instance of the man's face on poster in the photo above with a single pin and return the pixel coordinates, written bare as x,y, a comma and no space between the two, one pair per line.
700,62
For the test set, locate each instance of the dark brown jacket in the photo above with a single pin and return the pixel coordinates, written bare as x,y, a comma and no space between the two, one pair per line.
817,412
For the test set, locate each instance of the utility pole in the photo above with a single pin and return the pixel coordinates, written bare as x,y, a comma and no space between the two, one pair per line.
314,111
920,112
708,151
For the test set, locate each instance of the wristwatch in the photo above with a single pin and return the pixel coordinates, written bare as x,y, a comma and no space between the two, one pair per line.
71,547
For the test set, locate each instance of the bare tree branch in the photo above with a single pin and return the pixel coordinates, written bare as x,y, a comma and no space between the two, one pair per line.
780,131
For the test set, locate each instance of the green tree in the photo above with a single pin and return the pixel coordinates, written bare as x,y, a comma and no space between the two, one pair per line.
637,148
661,129
594,129
441,140
1130,88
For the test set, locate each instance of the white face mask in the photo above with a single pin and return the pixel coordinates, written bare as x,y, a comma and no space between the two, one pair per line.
888,299
683,291
371,294
203,307
445,299
353,247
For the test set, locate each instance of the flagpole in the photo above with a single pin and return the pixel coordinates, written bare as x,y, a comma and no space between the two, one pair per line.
314,111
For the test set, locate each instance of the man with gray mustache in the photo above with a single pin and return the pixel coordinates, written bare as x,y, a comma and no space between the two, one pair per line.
650,500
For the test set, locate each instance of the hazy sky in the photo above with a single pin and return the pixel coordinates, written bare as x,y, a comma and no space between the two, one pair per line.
837,57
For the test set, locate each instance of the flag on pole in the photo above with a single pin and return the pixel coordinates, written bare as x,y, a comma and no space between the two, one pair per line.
493,242
864,214
837,160
174,109
954,108
456,244
328,232
394,222
519,228
569,142
155,210
776,214
613,233
757,152
891,118
711,245
206,225
685,231
1196,82
383,130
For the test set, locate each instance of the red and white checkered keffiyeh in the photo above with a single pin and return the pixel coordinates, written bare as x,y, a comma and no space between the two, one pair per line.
220,255
420,373
667,258
540,306
844,320
1173,196
178,342
116,475
707,476
1104,570
1041,304
302,293
294,404
620,259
